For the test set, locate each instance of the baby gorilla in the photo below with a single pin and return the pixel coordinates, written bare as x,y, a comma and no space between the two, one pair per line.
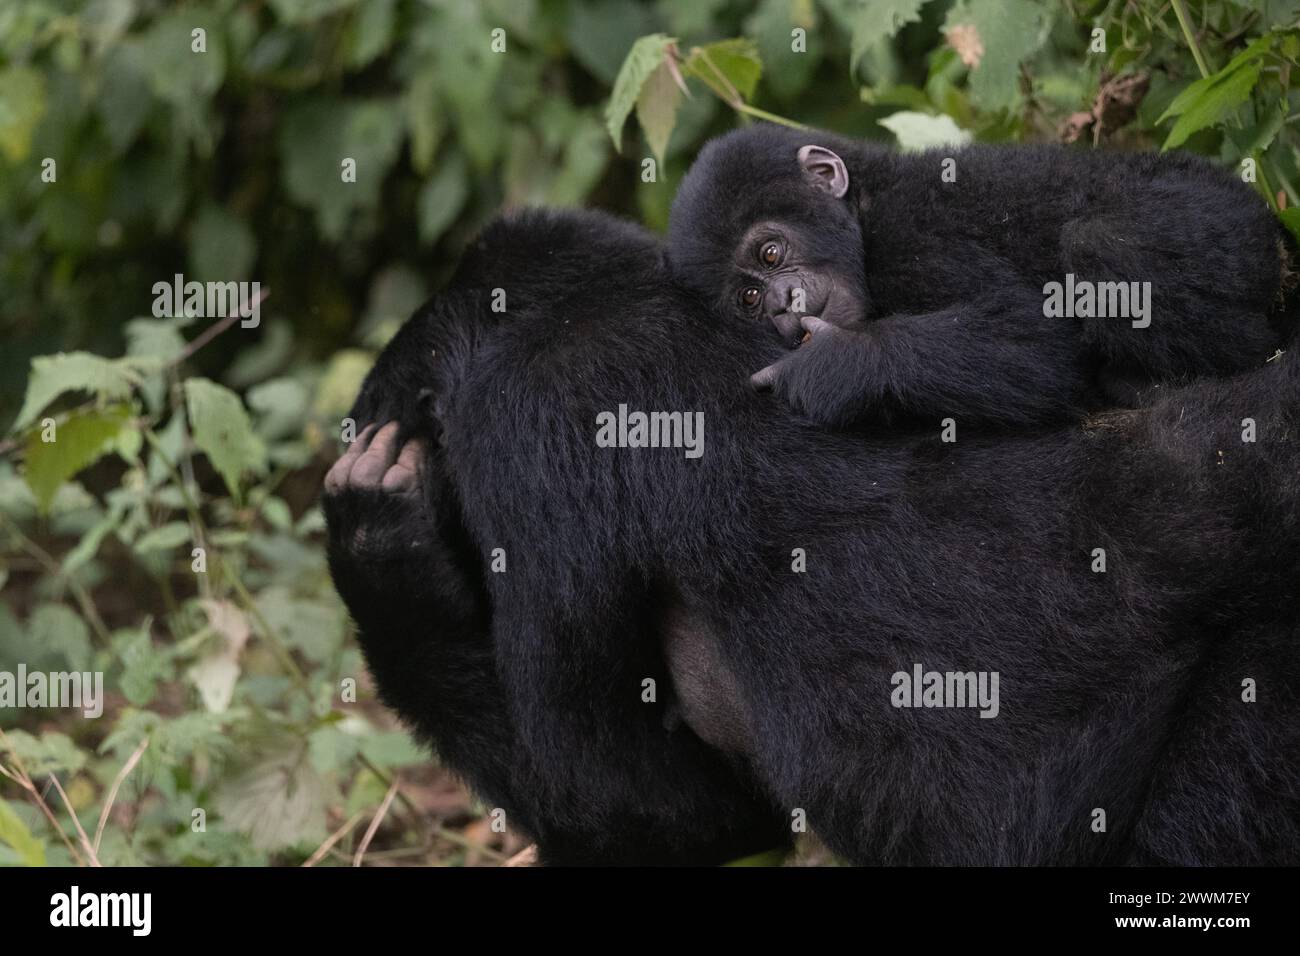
923,279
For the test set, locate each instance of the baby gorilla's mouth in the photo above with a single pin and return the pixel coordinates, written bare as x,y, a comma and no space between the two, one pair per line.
834,305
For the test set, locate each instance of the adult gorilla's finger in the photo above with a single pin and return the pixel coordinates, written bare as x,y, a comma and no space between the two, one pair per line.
336,479
764,379
405,472
379,457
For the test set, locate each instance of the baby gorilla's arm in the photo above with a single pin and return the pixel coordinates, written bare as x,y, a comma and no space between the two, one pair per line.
994,360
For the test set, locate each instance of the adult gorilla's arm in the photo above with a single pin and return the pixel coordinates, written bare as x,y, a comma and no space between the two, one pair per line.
410,576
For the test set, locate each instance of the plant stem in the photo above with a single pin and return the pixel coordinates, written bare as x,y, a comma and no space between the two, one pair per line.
1180,11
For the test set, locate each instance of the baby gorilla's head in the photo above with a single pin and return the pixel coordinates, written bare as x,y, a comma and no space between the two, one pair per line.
766,225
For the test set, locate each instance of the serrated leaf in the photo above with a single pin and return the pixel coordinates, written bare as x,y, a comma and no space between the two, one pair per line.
279,802
737,60
53,375
57,630
222,430
656,109
918,131
1009,31
78,442
642,60
52,752
878,20
14,833
1212,103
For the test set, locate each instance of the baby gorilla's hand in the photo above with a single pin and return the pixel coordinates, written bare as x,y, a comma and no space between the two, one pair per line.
826,378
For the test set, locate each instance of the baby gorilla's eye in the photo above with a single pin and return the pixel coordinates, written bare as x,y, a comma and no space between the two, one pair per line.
750,295
770,253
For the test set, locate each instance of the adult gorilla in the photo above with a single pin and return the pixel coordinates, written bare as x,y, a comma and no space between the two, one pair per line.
1120,690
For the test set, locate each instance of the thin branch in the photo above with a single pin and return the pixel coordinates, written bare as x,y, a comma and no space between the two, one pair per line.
85,840
1180,11
117,783
334,838
374,824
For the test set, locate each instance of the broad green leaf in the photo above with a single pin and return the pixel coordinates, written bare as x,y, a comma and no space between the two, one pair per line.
918,131
78,442
55,630
737,60
278,802
159,339
787,71
1213,103
876,20
338,388
442,197
14,833
642,60
222,247
318,135
599,32
656,109
1010,31
222,430
1196,91
371,32
22,104
53,375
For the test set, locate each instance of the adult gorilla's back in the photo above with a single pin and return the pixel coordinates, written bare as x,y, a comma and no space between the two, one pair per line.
1120,690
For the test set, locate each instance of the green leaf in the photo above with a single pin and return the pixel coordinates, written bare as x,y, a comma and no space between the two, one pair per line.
164,538
371,32
318,135
1213,100
737,60
306,11
599,31
1291,220
1010,31
642,60
14,833
222,430
57,630
222,247
787,72
877,20
918,131
656,109
52,752
79,442
53,375
22,104
279,802
442,197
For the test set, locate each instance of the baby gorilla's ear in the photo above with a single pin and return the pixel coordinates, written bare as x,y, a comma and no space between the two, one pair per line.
826,170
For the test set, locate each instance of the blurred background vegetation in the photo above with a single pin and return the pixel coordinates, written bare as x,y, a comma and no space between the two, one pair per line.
229,733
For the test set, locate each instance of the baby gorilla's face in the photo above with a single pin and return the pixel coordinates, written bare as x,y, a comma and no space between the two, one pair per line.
780,274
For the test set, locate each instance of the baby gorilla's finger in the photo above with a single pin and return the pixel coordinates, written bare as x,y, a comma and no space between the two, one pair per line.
369,471
812,324
336,479
764,379
405,473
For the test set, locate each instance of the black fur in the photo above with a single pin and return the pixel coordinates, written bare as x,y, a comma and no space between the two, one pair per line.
951,275
1119,690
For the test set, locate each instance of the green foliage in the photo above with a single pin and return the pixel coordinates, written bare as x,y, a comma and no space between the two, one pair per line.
169,536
